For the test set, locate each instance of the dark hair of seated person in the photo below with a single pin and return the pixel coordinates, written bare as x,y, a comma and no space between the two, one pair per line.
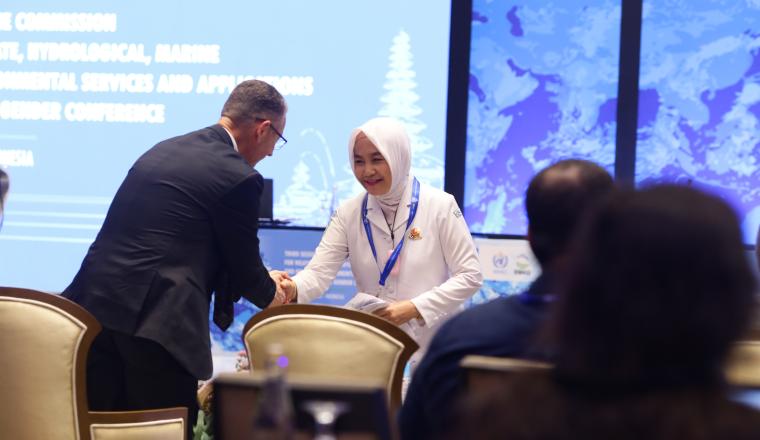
659,288
555,202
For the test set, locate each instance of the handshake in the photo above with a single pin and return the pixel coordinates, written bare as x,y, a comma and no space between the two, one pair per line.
286,289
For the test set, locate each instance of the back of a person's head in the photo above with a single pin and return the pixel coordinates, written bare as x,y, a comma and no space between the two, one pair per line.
4,185
659,287
253,99
557,197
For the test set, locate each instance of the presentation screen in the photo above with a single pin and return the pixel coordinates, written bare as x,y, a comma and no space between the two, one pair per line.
542,87
699,100
86,87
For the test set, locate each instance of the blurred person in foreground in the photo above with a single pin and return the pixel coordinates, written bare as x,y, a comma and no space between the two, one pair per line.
182,225
555,200
4,186
659,289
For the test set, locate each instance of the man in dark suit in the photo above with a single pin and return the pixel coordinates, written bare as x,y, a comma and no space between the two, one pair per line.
556,199
182,225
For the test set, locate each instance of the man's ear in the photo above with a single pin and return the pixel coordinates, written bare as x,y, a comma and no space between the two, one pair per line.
261,128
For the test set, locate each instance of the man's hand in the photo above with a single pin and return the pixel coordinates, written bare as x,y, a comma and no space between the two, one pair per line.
285,284
279,275
291,290
280,297
399,312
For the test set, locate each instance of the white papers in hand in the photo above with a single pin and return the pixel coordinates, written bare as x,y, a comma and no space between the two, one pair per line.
366,302
370,304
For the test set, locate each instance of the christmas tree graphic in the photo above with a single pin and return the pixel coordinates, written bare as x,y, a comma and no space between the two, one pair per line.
301,202
304,204
400,102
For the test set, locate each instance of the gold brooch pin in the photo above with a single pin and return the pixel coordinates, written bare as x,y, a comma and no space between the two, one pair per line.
415,234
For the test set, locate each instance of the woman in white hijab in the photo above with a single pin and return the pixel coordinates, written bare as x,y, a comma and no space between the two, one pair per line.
407,242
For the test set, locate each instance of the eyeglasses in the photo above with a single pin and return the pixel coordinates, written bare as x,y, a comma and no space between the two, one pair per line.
280,142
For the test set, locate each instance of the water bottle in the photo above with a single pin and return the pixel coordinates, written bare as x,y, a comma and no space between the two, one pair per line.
275,416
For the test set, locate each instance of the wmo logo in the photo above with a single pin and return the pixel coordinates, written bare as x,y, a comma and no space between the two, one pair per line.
500,260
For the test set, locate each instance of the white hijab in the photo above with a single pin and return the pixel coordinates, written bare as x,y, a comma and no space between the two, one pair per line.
391,140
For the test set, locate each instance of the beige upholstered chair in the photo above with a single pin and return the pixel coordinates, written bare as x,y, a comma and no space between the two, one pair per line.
485,372
742,367
44,341
332,342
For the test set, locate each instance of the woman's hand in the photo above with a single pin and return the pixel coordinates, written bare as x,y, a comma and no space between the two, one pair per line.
291,290
399,312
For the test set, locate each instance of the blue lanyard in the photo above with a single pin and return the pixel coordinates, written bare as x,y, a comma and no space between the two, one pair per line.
394,255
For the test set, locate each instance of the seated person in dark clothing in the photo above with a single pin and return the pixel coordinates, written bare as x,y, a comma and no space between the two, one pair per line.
556,198
658,289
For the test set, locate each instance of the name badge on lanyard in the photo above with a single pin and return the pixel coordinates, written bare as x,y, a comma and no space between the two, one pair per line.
368,228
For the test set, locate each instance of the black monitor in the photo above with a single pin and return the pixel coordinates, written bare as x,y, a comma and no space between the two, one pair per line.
266,201
237,397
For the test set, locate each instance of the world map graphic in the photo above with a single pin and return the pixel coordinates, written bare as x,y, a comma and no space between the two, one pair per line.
699,102
543,86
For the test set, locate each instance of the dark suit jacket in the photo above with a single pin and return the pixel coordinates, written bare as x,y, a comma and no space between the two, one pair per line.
502,327
185,217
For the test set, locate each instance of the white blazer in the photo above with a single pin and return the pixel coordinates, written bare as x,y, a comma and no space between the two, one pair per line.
437,272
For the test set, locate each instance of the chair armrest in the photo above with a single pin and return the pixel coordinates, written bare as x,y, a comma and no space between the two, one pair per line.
491,363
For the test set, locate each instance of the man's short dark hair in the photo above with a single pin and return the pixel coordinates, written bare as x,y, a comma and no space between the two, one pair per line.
253,99
4,184
557,197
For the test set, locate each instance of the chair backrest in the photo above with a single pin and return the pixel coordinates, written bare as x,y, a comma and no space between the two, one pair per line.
44,341
331,342
153,424
486,372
